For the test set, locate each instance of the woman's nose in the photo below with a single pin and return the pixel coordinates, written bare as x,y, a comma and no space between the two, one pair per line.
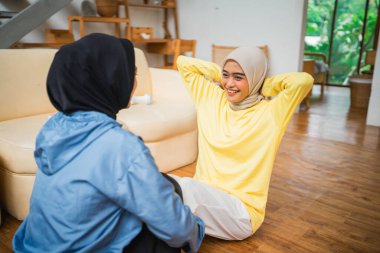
229,82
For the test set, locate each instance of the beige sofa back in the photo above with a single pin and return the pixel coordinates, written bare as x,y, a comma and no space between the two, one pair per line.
23,75
144,80
23,82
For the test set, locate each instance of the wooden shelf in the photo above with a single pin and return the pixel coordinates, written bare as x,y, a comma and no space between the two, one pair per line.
98,19
152,41
84,19
151,6
20,45
122,2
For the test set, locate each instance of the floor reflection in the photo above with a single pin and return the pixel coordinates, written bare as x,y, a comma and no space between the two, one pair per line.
330,117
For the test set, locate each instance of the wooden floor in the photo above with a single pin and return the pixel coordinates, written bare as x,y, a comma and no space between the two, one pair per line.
325,188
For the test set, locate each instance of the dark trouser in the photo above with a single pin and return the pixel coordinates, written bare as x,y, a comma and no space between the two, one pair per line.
146,241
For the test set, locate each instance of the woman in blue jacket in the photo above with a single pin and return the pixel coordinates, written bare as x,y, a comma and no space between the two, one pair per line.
97,188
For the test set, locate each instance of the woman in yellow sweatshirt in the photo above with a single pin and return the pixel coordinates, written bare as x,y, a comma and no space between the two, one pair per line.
239,134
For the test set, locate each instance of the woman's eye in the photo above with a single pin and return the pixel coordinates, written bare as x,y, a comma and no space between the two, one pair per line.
225,75
238,78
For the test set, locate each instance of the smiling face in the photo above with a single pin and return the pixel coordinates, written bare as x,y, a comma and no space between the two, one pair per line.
234,82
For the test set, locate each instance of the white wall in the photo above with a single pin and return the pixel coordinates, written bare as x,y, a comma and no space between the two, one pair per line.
279,24
373,114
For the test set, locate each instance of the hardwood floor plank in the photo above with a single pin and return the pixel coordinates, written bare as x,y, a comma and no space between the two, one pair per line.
7,230
4,249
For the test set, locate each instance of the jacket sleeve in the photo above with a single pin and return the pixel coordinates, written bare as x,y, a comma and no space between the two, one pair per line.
142,190
200,77
290,89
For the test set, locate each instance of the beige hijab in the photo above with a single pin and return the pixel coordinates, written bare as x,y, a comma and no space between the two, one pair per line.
255,66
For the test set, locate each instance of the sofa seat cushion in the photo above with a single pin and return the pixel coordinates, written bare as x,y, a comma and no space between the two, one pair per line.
158,121
17,143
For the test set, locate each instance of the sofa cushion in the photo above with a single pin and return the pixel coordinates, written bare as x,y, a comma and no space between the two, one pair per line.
23,75
171,113
159,120
17,142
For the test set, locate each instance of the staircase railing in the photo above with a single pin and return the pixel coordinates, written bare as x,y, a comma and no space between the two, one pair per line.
28,19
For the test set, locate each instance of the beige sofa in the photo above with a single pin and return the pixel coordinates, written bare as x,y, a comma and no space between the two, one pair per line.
168,125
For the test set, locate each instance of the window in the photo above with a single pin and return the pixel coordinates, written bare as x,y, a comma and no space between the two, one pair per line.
336,28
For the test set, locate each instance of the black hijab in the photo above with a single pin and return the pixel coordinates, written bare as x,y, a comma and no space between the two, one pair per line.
95,73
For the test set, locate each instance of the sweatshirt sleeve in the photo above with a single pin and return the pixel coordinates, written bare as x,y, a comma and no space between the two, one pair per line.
201,78
139,187
290,89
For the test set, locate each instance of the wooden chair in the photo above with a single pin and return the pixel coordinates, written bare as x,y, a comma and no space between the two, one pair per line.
219,53
320,77
308,67
174,48
370,60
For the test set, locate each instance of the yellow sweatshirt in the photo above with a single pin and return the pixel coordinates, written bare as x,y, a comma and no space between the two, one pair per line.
237,149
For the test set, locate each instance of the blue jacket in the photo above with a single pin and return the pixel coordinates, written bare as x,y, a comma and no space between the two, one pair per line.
95,186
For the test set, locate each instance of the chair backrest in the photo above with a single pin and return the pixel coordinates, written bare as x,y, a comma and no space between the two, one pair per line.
174,48
309,67
182,47
317,55
370,57
219,52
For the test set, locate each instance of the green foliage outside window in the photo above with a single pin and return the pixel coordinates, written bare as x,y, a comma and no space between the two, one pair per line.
346,36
